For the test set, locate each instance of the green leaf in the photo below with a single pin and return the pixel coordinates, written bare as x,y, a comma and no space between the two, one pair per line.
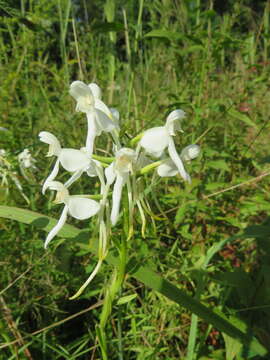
104,27
192,49
232,346
218,165
126,299
242,117
165,34
146,276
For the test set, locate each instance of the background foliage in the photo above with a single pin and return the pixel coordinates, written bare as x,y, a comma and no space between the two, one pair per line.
149,57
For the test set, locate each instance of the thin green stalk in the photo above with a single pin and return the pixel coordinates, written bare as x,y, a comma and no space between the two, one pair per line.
266,30
109,9
63,22
119,332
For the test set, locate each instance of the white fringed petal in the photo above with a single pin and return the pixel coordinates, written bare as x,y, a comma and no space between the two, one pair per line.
82,208
155,141
73,160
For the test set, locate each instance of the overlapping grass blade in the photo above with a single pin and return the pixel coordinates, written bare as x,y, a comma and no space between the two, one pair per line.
149,278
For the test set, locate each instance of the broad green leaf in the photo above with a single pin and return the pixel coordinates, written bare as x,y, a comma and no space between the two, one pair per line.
148,277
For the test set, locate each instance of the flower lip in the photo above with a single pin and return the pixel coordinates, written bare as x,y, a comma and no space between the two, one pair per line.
155,140
82,208
73,159
168,168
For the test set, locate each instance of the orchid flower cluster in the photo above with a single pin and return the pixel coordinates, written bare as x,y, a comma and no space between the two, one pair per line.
116,172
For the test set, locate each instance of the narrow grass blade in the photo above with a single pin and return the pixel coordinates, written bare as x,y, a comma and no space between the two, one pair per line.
149,278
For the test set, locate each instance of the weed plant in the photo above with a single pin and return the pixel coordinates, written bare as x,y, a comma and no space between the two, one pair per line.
149,57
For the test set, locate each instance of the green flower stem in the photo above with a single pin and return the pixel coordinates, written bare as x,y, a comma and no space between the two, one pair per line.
136,139
103,159
150,167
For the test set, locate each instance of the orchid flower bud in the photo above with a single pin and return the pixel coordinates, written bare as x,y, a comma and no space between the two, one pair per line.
190,152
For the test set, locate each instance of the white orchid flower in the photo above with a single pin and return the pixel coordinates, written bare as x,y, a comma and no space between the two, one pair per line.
119,172
99,116
72,160
79,207
157,139
169,168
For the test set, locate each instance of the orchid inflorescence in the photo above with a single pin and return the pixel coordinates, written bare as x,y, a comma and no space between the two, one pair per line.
119,171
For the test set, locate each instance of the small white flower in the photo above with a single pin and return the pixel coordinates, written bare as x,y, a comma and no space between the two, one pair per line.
78,207
26,160
99,116
3,152
156,140
72,160
119,172
168,167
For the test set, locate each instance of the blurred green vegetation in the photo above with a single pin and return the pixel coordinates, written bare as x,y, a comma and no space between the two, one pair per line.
212,60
